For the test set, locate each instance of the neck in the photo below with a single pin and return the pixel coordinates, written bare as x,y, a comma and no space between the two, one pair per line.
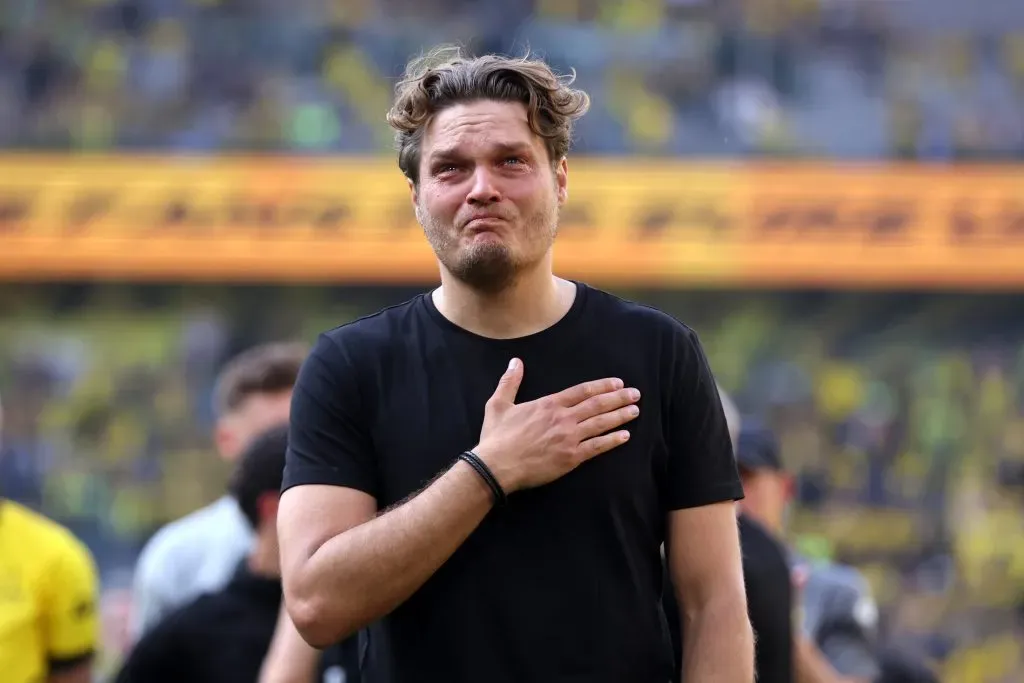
534,302
263,559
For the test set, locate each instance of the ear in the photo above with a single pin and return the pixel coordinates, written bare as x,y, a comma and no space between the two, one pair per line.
414,197
562,180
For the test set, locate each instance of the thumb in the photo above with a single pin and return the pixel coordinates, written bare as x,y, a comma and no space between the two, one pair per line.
508,385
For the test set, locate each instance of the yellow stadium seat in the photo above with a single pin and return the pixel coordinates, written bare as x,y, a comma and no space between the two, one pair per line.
650,122
840,390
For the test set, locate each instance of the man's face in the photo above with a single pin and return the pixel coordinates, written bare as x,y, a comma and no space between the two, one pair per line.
256,414
488,196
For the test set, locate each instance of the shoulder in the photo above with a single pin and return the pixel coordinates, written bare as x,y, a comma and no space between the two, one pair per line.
54,541
369,333
641,317
188,537
642,327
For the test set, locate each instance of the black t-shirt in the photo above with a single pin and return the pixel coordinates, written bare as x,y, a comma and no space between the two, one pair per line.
564,582
222,636
769,600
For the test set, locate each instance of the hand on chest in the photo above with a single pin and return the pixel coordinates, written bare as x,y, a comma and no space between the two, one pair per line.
436,412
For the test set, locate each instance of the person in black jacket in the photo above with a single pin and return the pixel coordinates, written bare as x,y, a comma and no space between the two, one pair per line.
770,598
224,636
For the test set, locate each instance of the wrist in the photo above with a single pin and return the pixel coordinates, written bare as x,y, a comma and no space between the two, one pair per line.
472,479
498,494
504,477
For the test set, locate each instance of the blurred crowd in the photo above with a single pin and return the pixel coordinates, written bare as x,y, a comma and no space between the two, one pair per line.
921,79
902,415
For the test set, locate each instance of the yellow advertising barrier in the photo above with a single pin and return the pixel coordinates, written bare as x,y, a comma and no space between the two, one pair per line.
626,222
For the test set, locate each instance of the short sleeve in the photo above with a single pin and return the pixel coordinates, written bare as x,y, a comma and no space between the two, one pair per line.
701,464
329,439
71,619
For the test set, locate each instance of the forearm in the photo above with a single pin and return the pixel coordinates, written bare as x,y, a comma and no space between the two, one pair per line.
290,659
718,645
367,571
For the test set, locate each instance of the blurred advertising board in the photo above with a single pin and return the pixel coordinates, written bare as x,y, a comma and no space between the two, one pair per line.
627,222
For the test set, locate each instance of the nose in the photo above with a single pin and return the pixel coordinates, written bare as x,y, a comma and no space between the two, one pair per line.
484,190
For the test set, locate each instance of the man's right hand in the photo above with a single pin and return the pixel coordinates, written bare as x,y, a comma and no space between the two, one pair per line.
530,444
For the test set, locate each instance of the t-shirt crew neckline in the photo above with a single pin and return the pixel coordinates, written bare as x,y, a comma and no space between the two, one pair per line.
558,330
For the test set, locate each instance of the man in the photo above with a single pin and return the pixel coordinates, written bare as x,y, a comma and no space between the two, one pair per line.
201,551
509,533
769,590
224,636
49,600
839,614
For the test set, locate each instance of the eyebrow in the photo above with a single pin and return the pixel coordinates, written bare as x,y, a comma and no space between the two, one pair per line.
500,149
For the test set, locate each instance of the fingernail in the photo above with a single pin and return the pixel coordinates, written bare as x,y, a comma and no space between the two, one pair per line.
513,364
624,436
617,383
633,410
634,394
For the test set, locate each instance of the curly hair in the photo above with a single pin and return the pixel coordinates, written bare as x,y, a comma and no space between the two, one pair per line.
445,77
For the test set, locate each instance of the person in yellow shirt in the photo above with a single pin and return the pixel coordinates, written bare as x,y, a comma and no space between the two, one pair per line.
49,600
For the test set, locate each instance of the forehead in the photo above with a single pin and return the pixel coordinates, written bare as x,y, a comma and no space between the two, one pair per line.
477,128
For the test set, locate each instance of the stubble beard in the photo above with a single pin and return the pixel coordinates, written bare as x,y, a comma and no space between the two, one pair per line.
491,267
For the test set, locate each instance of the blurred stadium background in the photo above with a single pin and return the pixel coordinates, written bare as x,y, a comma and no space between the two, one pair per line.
829,191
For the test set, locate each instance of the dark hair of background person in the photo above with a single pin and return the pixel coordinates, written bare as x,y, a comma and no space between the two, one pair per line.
265,369
259,471
445,77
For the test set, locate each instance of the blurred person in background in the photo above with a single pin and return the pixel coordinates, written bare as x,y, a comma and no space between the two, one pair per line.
535,554
769,589
224,635
836,641
290,659
201,552
49,599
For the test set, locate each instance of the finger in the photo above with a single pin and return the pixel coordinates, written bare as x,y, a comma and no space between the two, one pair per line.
581,392
605,422
601,444
605,403
508,385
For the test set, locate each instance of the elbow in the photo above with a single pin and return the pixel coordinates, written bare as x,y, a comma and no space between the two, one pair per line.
320,624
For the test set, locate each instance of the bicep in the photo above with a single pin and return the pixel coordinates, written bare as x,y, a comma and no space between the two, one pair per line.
330,481
329,439
309,516
703,550
701,464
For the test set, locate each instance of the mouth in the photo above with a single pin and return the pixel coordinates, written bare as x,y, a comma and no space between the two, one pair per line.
484,223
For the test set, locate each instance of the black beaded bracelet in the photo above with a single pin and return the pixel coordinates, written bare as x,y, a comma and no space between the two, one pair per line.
485,473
